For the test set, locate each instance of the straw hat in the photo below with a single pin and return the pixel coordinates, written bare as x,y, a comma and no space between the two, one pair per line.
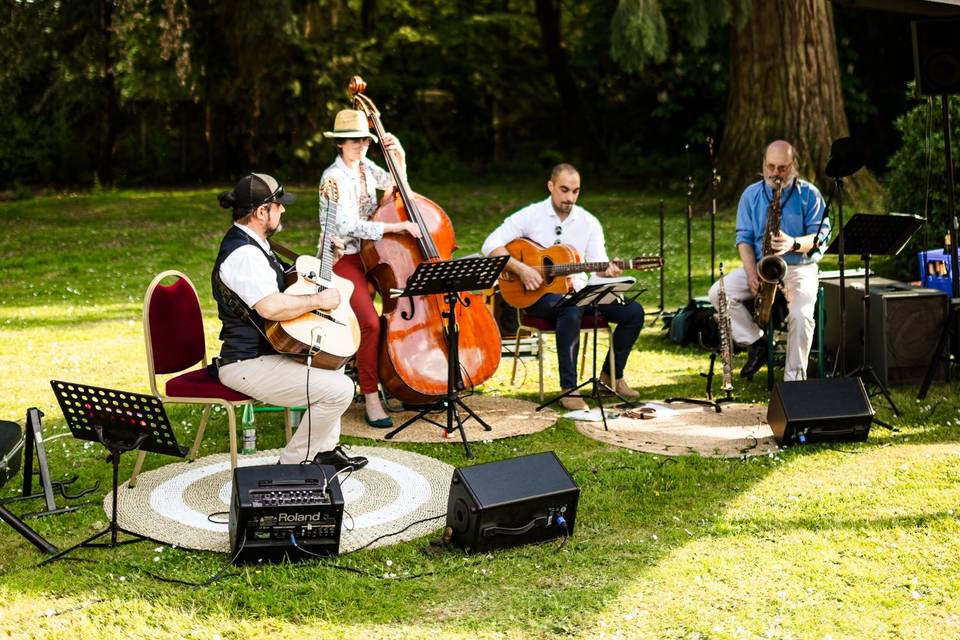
350,123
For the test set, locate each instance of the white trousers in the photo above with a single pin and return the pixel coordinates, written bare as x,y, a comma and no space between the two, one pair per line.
800,286
282,381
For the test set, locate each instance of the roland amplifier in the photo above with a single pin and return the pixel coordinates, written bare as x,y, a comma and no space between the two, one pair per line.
285,512
511,502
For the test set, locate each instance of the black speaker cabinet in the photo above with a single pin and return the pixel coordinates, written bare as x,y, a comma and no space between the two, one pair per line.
905,323
511,502
936,56
822,410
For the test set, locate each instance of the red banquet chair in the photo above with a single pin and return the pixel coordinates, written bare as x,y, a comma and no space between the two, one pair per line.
175,341
537,327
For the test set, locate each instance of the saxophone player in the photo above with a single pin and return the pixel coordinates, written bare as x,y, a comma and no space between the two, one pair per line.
801,209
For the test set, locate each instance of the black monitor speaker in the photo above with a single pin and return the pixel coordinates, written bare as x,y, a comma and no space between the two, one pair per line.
936,56
511,502
822,410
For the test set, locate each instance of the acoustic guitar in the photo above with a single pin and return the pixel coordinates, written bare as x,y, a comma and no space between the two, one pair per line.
556,264
330,337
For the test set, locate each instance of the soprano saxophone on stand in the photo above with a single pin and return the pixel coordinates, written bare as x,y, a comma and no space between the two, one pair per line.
771,268
726,336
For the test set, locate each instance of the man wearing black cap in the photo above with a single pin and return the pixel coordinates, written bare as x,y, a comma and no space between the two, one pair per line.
799,240
248,282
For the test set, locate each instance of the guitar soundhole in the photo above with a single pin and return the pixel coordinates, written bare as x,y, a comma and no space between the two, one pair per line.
547,265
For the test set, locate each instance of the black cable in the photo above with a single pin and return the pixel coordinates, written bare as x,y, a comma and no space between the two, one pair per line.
396,533
210,517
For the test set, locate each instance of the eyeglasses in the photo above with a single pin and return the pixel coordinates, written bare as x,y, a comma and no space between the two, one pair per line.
558,230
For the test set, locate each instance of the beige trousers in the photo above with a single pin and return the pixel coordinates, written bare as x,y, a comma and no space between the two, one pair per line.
800,289
281,381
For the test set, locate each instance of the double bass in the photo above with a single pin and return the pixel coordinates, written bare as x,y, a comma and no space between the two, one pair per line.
413,338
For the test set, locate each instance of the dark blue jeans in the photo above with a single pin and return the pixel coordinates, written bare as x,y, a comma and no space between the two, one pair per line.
627,317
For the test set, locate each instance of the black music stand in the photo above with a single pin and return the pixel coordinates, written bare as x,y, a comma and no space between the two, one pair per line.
593,295
121,421
869,235
450,278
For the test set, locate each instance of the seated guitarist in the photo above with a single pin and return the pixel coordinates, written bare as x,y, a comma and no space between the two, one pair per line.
247,284
558,220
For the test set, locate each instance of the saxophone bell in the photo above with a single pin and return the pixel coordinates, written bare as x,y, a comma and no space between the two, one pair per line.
771,269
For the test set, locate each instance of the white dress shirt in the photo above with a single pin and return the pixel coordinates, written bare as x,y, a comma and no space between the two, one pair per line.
540,223
247,272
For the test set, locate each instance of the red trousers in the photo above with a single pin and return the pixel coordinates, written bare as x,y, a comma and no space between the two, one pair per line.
351,268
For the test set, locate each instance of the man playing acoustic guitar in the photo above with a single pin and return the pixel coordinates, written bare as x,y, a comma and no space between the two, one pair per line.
248,282
558,220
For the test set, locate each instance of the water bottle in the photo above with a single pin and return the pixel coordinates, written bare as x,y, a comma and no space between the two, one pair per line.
249,430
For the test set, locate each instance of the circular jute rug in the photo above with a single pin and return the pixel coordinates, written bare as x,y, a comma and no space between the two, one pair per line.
506,416
175,503
740,429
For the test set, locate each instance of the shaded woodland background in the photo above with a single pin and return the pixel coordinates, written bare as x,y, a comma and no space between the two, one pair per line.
187,92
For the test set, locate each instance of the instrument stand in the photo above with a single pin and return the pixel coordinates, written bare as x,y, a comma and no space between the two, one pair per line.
449,278
593,296
33,439
871,235
709,402
662,308
950,329
121,421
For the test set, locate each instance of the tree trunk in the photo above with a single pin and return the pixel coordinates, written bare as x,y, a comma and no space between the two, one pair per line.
551,38
784,84
108,127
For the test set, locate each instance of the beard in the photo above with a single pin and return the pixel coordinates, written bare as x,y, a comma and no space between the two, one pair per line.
269,232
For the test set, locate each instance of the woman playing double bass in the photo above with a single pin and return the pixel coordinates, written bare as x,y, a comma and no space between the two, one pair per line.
357,179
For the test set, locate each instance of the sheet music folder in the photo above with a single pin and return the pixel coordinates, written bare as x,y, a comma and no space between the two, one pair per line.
600,291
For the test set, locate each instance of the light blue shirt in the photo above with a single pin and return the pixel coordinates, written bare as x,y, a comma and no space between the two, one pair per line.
801,211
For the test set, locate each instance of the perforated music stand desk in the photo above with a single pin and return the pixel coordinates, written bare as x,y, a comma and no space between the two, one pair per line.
869,235
121,421
449,278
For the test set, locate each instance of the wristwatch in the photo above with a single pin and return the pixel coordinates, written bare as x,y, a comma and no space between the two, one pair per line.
796,245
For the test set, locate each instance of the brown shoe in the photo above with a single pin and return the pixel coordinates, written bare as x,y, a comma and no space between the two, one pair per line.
621,387
573,402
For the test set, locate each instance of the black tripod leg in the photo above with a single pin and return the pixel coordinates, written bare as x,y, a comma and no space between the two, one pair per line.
408,423
84,543
937,354
21,527
473,415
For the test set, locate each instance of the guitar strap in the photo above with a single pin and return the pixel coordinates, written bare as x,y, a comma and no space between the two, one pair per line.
284,251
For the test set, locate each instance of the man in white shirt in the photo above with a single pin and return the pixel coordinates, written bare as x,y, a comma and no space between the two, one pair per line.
248,281
558,220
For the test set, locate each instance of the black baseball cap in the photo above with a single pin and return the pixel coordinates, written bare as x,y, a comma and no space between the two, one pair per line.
258,189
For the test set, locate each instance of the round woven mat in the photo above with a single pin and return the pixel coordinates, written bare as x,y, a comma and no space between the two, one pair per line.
739,430
172,504
507,416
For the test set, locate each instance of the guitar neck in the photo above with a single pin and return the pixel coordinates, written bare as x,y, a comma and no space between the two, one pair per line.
584,267
326,248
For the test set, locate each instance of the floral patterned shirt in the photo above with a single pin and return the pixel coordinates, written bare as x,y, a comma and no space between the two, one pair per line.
357,201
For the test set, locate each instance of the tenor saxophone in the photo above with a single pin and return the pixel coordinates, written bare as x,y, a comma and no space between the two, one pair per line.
771,268
726,336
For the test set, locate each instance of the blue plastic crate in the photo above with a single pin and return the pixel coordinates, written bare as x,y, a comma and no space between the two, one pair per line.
936,265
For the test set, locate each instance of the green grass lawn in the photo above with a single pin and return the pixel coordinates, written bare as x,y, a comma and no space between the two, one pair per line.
843,541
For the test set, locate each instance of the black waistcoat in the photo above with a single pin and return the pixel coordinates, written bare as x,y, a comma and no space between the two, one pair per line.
241,339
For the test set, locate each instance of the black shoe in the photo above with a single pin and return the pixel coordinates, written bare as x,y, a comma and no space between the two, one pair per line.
340,460
757,358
